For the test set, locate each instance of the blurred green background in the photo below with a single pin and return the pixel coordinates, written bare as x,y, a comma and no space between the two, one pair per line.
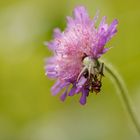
27,109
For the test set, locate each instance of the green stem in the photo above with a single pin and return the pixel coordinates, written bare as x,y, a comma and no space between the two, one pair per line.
124,95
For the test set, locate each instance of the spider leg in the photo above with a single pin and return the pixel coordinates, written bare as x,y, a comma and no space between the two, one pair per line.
83,70
89,70
101,69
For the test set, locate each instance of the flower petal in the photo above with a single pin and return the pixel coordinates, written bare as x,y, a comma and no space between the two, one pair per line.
81,15
81,82
84,96
58,86
72,91
57,33
64,95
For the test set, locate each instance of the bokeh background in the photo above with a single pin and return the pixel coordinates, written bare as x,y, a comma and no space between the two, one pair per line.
27,109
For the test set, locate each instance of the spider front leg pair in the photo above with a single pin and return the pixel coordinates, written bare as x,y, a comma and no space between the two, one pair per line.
88,68
92,69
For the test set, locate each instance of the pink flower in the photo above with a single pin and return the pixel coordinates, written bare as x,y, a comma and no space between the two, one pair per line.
76,53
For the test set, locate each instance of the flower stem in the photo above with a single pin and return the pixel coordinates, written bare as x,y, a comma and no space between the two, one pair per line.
124,95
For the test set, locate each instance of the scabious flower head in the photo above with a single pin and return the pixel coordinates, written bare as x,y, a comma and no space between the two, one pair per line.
76,51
